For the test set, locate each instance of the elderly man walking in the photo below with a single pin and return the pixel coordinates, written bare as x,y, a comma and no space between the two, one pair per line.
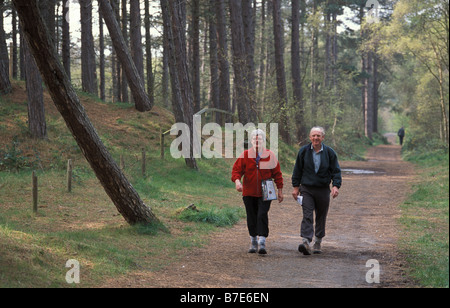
315,168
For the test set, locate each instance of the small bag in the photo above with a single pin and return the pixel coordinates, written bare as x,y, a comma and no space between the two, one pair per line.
268,190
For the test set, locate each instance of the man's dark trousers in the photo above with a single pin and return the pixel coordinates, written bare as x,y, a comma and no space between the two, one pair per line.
315,199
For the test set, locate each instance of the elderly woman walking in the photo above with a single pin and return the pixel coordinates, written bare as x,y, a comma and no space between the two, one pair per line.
255,165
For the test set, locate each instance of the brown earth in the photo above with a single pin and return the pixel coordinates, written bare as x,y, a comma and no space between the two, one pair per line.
362,225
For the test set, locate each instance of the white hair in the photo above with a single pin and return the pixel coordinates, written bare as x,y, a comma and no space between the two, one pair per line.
319,128
258,132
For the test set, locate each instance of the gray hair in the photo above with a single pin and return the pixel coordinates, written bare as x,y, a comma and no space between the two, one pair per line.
258,132
319,128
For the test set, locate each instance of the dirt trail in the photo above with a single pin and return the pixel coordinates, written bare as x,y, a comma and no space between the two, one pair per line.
362,225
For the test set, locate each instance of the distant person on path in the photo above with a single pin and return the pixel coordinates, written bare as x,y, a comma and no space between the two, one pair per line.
401,134
257,164
315,168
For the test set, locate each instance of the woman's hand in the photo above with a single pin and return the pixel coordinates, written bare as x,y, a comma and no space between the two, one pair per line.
239,186
280,196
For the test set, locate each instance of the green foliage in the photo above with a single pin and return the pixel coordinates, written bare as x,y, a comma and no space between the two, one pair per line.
219,217
12,158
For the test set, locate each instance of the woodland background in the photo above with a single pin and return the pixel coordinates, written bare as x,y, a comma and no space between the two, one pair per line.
299,63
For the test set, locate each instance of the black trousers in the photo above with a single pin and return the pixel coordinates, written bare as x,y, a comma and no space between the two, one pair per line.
315,200
257,216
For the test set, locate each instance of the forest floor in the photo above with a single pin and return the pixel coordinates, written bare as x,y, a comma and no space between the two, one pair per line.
362,225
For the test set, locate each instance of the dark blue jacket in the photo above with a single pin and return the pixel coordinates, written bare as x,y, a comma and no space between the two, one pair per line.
329,170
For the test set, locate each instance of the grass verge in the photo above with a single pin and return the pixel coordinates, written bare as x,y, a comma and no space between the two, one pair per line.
425,220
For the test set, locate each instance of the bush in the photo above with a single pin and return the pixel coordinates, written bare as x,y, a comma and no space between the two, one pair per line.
12,158
225,217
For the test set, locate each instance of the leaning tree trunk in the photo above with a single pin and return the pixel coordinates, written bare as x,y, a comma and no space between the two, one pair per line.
136,84
123,195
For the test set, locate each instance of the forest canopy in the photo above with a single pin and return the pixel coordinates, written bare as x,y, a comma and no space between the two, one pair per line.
356,67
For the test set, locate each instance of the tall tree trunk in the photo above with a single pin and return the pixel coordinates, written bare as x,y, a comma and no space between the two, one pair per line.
102,59
88,65
334,49
165,73
136,37
262,58
214,62
222,55
328,46
313,67
14,42
148,51
368,104
174,19
36,110
117,71
280,71
123,79
239,62
65,98
195,41
66,39
5,83
33,80
141,99
375,91
249,44
296,73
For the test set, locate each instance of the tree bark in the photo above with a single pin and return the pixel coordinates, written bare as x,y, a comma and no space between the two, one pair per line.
296,73
222,55
280,70
116,185
149,58
124,29
88,65
102,59
136,37
5,83
239,63
174,19
36,110
213,60
141,100
195,45
368,97
66,39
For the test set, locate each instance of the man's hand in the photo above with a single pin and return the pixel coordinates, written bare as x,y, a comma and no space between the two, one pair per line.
295,193
334,192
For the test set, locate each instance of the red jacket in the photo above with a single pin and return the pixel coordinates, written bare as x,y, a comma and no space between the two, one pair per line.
245,165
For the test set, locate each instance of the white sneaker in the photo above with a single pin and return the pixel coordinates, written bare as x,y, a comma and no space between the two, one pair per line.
262,246
254,247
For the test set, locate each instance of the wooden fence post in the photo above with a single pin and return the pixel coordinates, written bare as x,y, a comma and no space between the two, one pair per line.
69,175
143,162
122,162
162,145
35,192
